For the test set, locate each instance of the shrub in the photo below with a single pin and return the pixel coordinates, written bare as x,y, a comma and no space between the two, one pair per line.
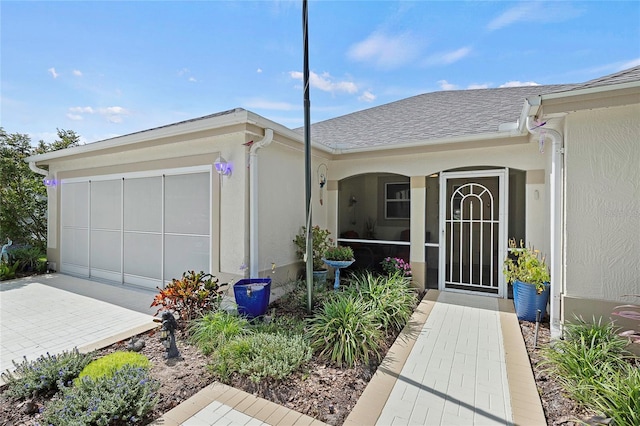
320,242
46,374
191,296
8,271
29,259
260,356
126,397
345,331
214,329
390,299
109,364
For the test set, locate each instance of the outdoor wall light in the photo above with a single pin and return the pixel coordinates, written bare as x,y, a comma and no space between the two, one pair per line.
222,166
49,181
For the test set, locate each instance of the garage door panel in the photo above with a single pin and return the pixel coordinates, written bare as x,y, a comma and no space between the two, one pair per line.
76,250
75,202
142,255
106,204
185,253
105,250
143,204
187,206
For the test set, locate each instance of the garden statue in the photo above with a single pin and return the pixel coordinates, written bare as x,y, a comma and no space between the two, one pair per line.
4,255
168,336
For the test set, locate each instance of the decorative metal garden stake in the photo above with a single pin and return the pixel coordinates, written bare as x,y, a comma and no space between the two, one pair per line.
168,336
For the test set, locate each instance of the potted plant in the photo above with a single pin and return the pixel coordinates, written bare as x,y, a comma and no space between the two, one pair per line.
321,242
338,257
525,268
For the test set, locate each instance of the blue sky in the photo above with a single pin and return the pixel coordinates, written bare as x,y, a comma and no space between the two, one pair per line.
111,68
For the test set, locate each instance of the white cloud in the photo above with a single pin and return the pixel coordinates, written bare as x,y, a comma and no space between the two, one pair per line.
77,73
516,83
446,58
386,51
192,79
535,11
112,110
53,72
259,70
367,96
113,114
511,16
445,85
325,82
87,110
271,105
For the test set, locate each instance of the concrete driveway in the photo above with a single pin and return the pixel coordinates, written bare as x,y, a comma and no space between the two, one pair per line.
54,312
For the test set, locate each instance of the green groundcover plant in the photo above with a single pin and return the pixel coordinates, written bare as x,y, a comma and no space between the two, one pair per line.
109,364
261,355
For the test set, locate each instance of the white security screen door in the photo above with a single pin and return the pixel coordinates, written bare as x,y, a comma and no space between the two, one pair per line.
473,218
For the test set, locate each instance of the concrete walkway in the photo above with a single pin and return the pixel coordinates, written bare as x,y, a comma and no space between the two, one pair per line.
460,361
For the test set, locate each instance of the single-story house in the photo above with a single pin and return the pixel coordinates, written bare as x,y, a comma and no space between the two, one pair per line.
443,179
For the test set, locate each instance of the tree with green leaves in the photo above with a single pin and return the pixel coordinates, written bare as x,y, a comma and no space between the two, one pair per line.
23,196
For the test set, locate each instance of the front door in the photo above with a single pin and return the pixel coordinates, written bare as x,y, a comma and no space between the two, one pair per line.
473,218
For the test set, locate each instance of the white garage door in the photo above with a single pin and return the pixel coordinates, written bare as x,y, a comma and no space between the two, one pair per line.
139,229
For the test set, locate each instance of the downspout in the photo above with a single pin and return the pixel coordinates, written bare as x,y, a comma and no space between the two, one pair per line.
253,202
556,225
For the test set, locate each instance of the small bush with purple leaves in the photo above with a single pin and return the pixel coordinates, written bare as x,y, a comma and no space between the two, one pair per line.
46,374
127,397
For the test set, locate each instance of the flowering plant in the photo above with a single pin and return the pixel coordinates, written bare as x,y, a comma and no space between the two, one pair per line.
526,265
395,265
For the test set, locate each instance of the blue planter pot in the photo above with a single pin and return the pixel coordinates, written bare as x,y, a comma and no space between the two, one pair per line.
527,301
252,296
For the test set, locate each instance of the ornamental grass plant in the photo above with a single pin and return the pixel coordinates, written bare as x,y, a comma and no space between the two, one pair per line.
345,331
211,331
592,366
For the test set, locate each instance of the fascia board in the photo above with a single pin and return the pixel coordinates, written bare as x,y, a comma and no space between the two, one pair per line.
590,98
235,117
434,142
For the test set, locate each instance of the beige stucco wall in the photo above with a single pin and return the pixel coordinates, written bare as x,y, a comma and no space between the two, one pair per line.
603,203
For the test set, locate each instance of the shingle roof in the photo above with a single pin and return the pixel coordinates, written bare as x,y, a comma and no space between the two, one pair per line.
624,76
435,115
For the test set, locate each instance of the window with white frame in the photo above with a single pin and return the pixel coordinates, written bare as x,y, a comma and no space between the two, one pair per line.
397,201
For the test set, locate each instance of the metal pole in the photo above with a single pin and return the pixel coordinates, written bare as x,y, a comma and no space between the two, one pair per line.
307,154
